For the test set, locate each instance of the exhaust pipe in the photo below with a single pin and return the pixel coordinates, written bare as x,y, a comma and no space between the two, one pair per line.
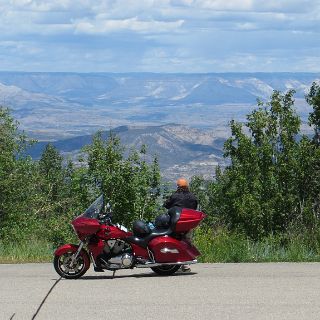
151,264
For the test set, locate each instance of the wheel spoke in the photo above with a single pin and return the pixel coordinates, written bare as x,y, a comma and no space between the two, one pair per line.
79,267
64,264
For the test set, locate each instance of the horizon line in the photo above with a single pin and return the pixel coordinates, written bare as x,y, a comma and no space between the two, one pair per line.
164,73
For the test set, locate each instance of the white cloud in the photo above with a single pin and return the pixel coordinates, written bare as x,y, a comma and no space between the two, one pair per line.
44,5
132,24
252,5
234,5
105,16
19,47
162,35
246,26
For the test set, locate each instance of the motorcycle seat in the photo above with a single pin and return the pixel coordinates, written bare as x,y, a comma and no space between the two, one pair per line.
174,214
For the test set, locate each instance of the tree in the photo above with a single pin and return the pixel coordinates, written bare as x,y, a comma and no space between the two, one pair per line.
51,170
16,176
313,150
124,181
258,193
313,99
62,193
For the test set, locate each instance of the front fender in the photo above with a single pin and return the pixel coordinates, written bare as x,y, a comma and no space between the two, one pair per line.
66,248
73,248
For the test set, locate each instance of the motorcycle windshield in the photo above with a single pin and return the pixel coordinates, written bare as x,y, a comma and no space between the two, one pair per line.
95,208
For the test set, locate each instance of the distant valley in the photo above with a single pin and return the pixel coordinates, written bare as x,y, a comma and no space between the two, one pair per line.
182,117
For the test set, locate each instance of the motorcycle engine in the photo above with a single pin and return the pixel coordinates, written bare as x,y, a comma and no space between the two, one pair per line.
117,254
114,246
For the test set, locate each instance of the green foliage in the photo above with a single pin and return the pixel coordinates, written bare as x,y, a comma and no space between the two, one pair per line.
28,251
272,182
259,183
313,150
223,245
38,199
16,170
313,98
264,206
125,181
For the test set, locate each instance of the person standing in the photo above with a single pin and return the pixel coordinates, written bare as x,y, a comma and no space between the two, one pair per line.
182,198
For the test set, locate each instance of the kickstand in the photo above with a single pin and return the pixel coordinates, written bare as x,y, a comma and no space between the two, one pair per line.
114,272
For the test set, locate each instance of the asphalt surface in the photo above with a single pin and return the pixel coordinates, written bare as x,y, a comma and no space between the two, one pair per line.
210,291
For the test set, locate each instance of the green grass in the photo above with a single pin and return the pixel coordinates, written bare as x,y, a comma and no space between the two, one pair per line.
225,246
32,251
215,246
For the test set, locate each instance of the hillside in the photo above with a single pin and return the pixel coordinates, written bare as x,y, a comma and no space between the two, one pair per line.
67,108
180,150
53,106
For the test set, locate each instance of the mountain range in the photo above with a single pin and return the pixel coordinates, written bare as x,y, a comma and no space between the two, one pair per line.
52,106
183,118
181,151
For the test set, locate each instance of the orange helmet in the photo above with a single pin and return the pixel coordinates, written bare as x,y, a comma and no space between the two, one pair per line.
182,183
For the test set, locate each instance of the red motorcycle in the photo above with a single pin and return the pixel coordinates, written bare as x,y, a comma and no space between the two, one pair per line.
163,249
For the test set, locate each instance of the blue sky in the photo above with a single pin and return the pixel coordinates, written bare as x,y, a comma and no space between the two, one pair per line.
160,35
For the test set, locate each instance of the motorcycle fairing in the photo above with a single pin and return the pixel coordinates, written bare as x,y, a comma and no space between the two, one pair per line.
111,232
85,226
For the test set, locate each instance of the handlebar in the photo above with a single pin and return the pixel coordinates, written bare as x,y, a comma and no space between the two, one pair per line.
105,218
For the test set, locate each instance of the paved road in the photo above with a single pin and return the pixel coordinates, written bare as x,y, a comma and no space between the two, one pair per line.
212,291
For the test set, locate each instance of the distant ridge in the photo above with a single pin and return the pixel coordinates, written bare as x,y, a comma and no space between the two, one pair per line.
193,150
67,108
72,144
53,106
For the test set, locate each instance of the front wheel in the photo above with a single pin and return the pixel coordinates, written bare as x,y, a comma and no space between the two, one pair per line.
166,270
66,269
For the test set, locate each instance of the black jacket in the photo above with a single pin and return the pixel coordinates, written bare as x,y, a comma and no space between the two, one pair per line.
182,199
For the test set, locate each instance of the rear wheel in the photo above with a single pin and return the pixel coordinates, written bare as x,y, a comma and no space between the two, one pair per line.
66,269
166,270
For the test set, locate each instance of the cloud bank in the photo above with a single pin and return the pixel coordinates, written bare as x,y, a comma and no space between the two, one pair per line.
160,35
